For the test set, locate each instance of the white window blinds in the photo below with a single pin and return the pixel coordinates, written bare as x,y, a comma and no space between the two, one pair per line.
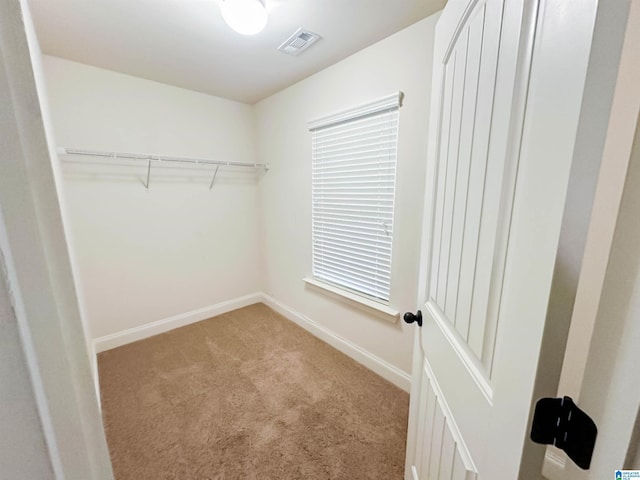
353,185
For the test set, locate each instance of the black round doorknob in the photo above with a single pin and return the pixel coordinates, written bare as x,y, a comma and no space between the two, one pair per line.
410,318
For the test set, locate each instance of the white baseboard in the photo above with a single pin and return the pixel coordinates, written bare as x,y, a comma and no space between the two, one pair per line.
381,367
553,467
130,335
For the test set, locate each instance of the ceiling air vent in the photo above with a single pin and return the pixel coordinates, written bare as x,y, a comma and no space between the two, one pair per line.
298,42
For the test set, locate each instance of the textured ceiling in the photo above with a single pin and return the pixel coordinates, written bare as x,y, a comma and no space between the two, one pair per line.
186,42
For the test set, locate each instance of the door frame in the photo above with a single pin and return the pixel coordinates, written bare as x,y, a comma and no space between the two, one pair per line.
610,392
37,263
584,347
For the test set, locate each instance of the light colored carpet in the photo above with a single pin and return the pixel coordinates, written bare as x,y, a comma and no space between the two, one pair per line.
248,395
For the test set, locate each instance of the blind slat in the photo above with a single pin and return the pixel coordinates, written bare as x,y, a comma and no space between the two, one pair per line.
368,211
362,188
365,224
377,168
360,269
365,255
364,239
358,153
352,225
381,156
350,204
372,258
361,167
358,241
367,131
364,287
335,268
353,202
372,294
371,142
350,177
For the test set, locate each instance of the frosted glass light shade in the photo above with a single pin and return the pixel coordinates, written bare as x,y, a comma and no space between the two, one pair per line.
247,17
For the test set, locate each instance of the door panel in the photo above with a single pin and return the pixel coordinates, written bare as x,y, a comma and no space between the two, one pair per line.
442,451
465,256
469,184
488,253
462,187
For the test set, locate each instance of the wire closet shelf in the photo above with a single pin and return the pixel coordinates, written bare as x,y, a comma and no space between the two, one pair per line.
162,158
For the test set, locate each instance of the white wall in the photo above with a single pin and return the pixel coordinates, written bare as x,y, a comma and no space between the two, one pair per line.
400,62
145,255
40,283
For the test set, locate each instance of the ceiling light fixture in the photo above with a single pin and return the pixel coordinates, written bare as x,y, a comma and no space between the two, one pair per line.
247,17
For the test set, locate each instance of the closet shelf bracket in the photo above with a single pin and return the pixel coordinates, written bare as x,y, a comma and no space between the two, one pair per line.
146,185
213,179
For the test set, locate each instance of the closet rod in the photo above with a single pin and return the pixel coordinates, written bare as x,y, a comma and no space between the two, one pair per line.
159,158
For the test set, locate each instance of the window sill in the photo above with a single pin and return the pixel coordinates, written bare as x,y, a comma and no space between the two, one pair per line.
369,305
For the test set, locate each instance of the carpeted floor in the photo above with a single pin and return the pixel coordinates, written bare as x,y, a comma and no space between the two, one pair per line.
248,395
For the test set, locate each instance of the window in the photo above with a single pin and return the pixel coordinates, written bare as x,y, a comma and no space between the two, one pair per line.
353,185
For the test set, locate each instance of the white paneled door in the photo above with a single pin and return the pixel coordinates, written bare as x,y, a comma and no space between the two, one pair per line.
507,89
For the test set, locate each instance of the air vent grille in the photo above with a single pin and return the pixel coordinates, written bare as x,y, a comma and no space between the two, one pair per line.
298,42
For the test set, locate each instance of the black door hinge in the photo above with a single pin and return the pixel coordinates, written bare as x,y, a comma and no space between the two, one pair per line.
559,422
